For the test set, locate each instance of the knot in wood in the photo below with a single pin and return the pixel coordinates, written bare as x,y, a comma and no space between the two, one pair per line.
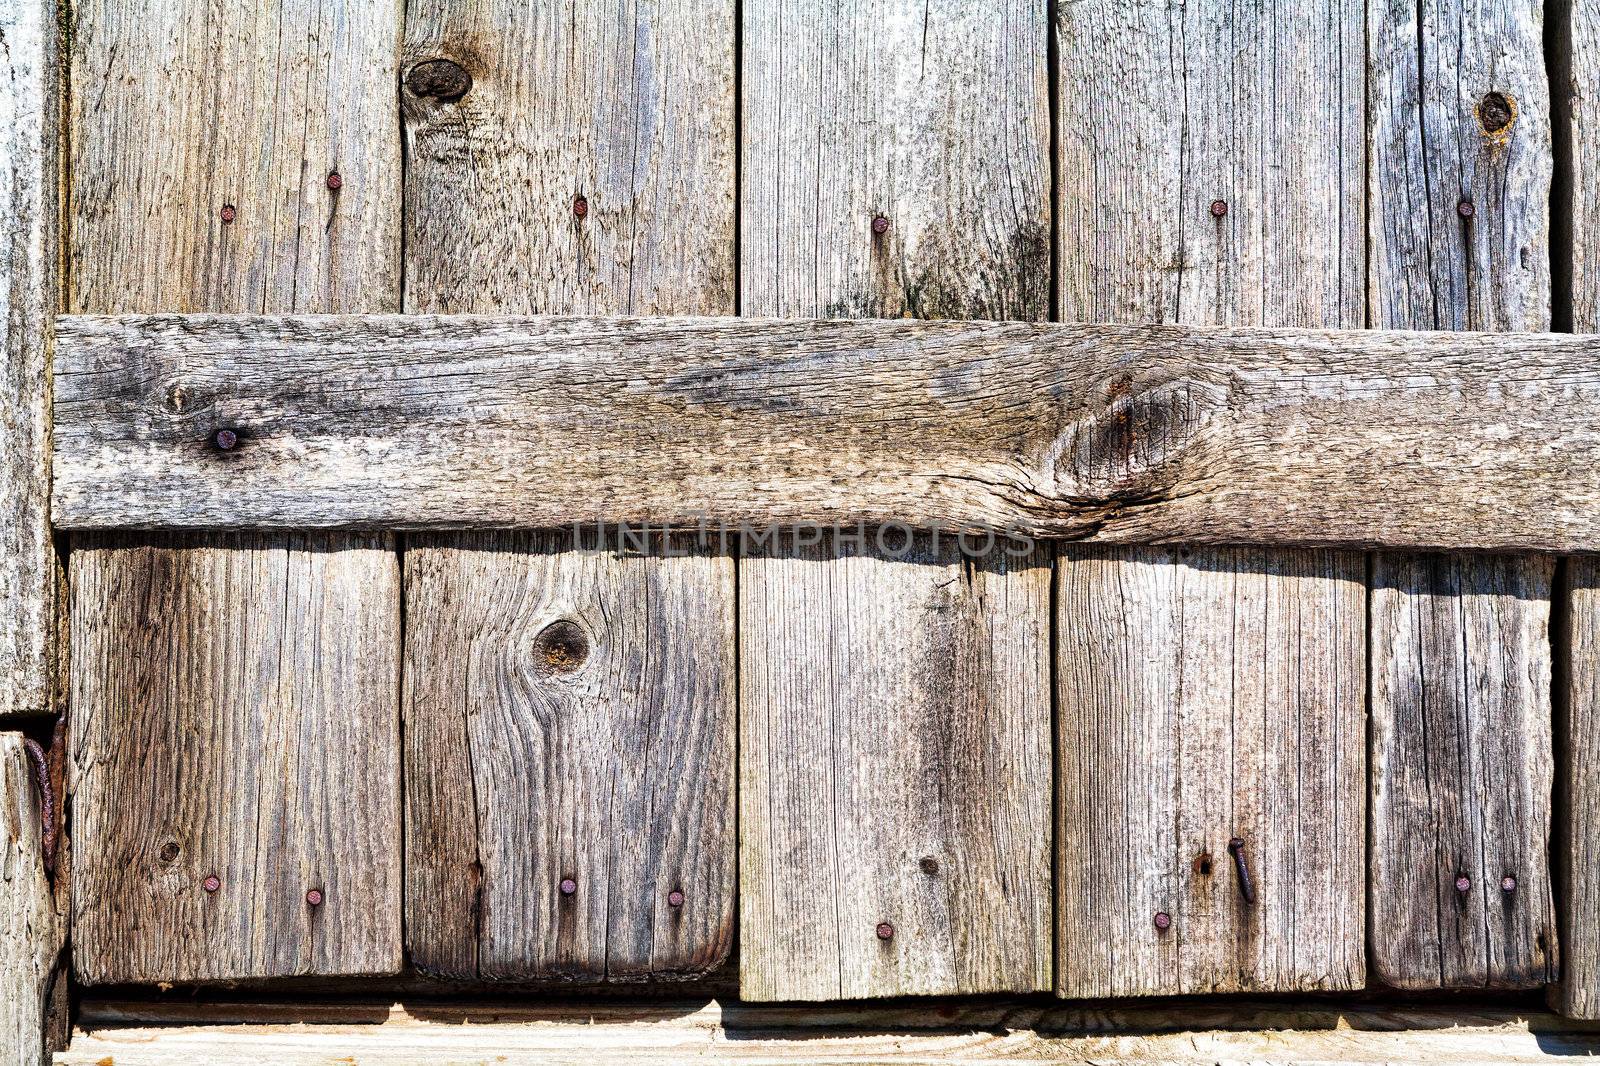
441,79
561,647
1496,113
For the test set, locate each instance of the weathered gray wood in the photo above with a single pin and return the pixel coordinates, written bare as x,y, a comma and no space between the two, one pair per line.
238,1034
570,714
30,934
28,252
249,738
1109,433
1459,205
1210,175
236,698
895,756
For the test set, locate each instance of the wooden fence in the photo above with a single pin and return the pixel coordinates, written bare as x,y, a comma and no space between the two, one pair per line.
1261,333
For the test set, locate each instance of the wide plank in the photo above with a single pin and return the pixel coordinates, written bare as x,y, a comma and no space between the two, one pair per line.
1459,219
1108,433
29,105
894,691
1208,695
235,699
31,933
569,706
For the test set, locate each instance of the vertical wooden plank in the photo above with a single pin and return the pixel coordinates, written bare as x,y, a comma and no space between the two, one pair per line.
236,699
894,698
1460,150
569,706
28,251
1210,173
30,934
1575,87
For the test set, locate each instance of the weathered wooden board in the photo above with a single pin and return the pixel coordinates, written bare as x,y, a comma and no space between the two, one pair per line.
1575,88
30,933
1108,433
28,251
1459,188
236,700
894,705
234,755
570,714
380,1034
1207,695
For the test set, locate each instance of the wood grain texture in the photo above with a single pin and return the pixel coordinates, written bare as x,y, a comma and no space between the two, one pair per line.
135,1034
570,717
30,934
237,698
1206,697
1110,433
1211,173
1461,163
251,738
895,759
613,768
28,296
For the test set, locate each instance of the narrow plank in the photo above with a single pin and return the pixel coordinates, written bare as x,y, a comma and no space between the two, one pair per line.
1214,177
30,933
1461,160
1119,434
28,287
135,1034
234,755
1574,76
894,705
589,168
235,699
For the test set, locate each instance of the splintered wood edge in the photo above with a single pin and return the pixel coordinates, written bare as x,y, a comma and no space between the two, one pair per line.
1116,434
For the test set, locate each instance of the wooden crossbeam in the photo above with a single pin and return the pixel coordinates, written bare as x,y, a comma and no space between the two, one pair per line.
1102,433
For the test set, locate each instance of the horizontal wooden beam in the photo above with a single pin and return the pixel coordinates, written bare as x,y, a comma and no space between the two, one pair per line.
1105,433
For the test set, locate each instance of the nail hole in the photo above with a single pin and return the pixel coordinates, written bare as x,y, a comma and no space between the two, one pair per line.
442,79
1496,112
929,864
562,647
1202,864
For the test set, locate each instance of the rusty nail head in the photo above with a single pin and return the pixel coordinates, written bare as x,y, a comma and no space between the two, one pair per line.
885,931
1463,882
228,212
580,206
675,898
335,182
1163,920
880,224
568,886
226,439
314,897
1219,208
1508,883
1465,209
211,883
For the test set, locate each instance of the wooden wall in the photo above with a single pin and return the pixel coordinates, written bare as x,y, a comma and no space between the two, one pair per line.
1052,770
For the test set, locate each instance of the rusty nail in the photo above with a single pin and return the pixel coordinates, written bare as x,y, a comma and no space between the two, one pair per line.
226,439
314,897
1465,209
1219,208
568,886
880,224
1163,921
675,898
930,865
885,931
228,212
580,206
1508,883
211,883
1247,887
335,182
1463,882
47,803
